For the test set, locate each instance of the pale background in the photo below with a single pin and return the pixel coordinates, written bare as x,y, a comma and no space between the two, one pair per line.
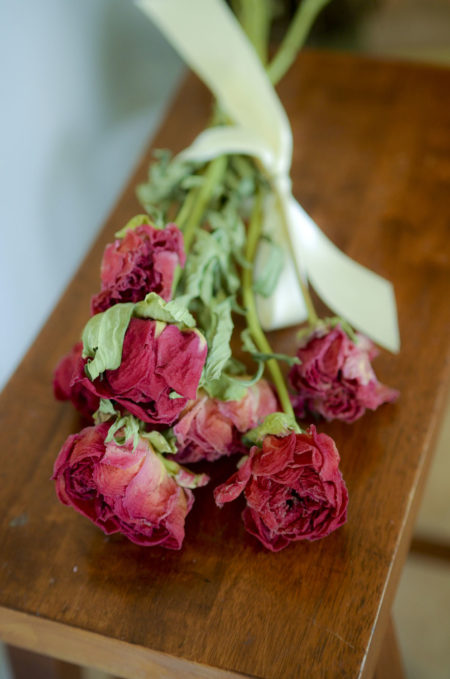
84,84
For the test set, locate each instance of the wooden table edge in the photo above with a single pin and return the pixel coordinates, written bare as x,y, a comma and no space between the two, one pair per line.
384,625
114,656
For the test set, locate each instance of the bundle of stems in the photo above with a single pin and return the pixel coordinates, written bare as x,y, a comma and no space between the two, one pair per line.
228,185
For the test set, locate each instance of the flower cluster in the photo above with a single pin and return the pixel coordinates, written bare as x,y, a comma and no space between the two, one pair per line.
123,472
156,380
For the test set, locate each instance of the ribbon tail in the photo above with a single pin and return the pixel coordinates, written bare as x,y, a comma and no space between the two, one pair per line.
352,291
285,306
209,38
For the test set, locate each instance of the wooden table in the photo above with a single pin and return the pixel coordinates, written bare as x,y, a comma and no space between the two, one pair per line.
372,166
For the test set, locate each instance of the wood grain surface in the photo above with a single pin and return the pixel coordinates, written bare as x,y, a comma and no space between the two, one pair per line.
372,167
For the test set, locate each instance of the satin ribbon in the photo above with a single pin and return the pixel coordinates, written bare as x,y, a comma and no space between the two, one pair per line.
209,38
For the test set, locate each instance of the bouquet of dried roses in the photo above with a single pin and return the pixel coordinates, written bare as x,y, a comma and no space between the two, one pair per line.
161,376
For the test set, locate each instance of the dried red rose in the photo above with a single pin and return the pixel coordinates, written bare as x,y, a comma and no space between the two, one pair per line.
122,489
143,261
335,377
293,488
209,428
156,366
84,400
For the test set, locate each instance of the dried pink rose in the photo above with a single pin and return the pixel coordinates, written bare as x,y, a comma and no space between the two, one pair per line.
122,489
143,261
84,400
155,364
293,488
335,377
209,429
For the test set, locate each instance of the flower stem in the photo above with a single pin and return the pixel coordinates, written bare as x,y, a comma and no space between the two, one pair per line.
253,236
255,17
193,208
303,284
203,194
294,38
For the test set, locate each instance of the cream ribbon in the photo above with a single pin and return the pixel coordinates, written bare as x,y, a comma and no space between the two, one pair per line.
211,41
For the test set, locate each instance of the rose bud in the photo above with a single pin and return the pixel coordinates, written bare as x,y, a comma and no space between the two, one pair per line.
84,400
335,378
125,488
209,428
159,372
293,488
143,261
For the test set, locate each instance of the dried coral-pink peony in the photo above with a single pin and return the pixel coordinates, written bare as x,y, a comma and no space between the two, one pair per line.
143,261
122,489
209,428
156,365
335,378
293,488
83,399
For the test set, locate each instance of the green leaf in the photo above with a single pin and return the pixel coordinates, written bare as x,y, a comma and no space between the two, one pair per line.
161,443
325,324
218,335
175,311
105,411
129,426
266,282
211,265
103,339
345,325
235,367
225,388
249,346
198,277
165,186
182,475
277,424
134,222
192,181
256,377
290,360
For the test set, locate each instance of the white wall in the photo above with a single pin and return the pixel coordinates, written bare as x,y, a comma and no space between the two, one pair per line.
84,83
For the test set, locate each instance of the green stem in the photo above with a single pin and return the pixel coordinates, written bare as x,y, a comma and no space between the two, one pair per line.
193,208
213,174
255,17
253,236
294,38
186,208
303,285
313,318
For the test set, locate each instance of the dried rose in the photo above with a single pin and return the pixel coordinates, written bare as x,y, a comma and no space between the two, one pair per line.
143,261
293,488
122,488
209,428
159,371
84,400
335,377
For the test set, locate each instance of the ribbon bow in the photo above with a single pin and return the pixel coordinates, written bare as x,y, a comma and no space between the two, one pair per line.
210,39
